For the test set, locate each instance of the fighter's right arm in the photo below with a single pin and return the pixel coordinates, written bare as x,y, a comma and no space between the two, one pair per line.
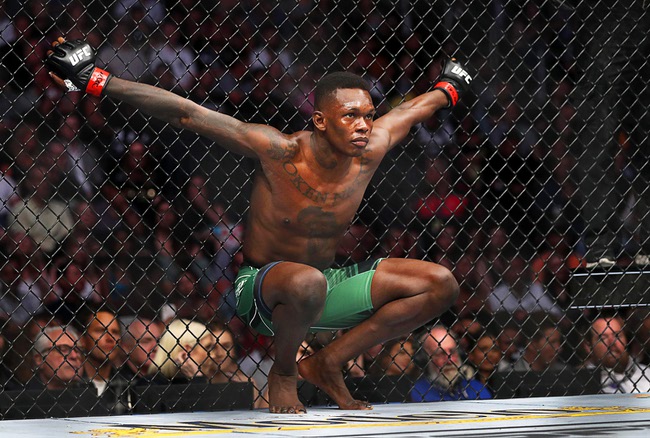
72,65
235,135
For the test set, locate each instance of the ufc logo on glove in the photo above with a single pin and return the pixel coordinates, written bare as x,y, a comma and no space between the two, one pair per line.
461,73
79,55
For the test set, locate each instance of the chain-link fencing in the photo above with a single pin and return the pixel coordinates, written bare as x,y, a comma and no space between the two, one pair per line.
121,236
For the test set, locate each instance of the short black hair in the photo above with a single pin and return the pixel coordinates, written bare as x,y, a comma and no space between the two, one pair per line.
335,81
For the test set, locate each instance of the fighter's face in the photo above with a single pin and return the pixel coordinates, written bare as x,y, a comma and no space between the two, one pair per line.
347,120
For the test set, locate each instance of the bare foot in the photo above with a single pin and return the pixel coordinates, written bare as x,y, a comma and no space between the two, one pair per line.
283,394
329,378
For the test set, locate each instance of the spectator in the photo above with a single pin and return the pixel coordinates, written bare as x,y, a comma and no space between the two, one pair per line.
187,297
125,54
509,342
74,167
542,352
443,380
496,242
435,134
174,56
217,281
396,358
259,360
224,357
100,335
613,36
607,354
399,242
552,267
57,359
183,351
71,293
8,194
441,202
483,358
166,247
512,185
23,282
135,181
356,245
139,343
516,294
200,211
46,221
467,329
154,12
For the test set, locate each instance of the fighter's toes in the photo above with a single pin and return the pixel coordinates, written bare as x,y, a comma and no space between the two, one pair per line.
356,405
287,409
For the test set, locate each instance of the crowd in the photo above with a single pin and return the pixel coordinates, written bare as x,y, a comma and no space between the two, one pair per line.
117,257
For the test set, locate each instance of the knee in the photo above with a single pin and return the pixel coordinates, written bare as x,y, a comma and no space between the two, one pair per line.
443,287
307,291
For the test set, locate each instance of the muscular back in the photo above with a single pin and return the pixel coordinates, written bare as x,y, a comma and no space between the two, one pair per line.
302,205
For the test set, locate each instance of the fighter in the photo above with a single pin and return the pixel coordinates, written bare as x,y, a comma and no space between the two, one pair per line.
306,189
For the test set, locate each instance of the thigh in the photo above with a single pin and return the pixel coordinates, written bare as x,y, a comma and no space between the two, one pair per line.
259,290
402,278
288,280
348,299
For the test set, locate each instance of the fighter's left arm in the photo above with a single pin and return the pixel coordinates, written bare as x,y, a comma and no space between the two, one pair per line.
396,124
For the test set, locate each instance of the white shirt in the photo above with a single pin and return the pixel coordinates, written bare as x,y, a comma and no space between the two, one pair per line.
635,379
534,300
47,224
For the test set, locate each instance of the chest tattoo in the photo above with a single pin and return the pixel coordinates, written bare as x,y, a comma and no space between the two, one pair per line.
321,197
303,186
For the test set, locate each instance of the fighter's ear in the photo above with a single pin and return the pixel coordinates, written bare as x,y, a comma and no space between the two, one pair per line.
319,120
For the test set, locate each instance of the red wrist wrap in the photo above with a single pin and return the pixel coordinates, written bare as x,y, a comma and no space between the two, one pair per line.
449,90
97,81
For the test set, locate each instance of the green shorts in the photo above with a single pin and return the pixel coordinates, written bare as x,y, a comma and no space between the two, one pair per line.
348,299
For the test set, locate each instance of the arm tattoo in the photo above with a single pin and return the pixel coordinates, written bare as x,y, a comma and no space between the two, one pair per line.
279,152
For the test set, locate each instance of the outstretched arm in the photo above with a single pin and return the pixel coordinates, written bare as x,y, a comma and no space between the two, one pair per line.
235,135
72,65
397,122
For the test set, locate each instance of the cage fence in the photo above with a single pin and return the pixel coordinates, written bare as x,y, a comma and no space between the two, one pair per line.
121,235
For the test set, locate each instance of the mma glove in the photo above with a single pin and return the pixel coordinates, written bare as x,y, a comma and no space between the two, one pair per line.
74,62
453,81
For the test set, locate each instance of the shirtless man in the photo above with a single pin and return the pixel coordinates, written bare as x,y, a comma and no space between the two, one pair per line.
306,190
